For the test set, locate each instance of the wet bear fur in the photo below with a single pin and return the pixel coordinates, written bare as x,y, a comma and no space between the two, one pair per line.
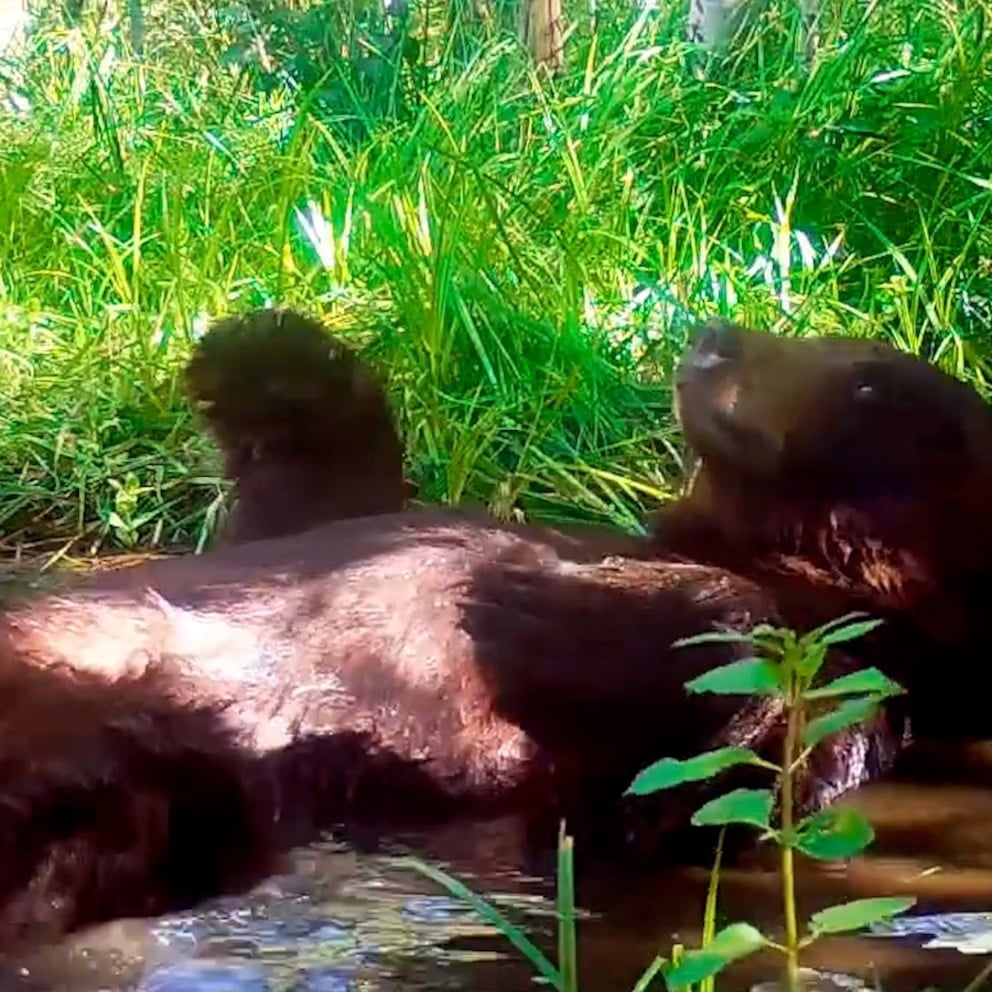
845,474
378,670
305,427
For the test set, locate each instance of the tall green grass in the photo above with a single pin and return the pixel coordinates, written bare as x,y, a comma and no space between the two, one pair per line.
519,257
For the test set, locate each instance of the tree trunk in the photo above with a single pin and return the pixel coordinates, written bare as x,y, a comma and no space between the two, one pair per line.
540,30
713,24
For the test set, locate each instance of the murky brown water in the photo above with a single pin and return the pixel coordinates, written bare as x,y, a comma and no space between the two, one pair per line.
341,921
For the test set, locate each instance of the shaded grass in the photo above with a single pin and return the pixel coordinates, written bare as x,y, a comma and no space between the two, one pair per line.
520,258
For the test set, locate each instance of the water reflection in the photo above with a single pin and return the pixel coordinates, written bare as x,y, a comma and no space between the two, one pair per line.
341,921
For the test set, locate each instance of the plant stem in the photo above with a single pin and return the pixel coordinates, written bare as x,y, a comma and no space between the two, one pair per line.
793,704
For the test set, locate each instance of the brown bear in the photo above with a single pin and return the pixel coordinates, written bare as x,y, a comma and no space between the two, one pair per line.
843,474
279,687
838,475
378,669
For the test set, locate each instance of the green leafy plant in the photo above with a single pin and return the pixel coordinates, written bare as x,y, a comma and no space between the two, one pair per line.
784,665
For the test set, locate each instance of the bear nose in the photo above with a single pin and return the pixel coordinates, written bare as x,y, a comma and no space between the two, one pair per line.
712,343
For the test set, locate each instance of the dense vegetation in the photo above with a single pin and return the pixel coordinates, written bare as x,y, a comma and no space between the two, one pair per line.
519,256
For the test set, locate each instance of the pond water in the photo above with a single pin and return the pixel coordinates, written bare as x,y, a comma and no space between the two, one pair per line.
341,921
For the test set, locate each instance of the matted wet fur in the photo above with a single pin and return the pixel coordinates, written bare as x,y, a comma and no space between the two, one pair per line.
358,670
118,800
420,665
304,425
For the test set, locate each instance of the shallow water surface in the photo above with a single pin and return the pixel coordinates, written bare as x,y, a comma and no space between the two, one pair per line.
341,921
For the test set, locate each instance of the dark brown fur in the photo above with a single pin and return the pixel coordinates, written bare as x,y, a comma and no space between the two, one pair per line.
843,474
118,800
342,663
305,427
421,665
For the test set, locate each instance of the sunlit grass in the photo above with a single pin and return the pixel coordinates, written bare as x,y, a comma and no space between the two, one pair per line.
519,258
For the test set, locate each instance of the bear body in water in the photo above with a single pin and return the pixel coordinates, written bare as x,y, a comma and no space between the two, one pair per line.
408,666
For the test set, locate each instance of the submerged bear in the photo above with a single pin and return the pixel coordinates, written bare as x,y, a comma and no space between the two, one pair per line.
167,730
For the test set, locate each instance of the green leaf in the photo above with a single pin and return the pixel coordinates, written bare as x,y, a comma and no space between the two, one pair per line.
669,772
751,806
733,942
567,959
766,630
849,632
818,633
811,661
869,680
749,676
833,834
859,913
848,713
712,637
650,973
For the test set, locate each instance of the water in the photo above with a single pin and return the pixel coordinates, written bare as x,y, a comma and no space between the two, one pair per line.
342,921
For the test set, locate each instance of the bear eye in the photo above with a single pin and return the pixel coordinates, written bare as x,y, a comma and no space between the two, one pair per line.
863,389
